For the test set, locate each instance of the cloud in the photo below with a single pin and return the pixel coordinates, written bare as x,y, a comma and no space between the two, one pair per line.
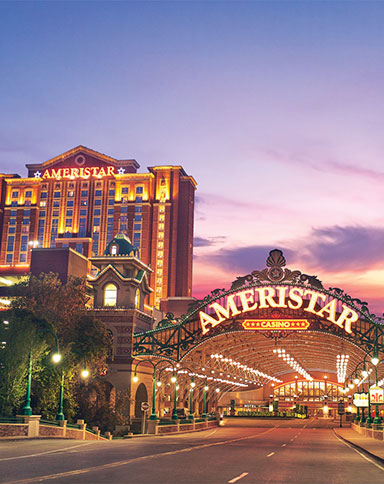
349,248
242,259
207,242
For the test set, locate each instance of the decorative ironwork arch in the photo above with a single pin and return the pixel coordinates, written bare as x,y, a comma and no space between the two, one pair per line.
174,338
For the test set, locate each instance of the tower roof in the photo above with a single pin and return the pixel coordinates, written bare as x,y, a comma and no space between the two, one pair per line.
121,245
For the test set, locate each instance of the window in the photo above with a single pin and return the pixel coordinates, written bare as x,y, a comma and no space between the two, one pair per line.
139,199
98,193
138,209
69,213
111,193
110,295
28,194
55,213
114,250
56,194
125,190
96,221
24,243
137,226
23,258
27,203
139,189
44,195
111,202
124,209
97,202
110,211
56,203
83,212
9,258
27,213
137,218
84,193
79,248
12,230
15,194
11,240
68,222
12,221
14,204
25,221
25,229
71,194
13,213
70,203
137,299
97,211
83,203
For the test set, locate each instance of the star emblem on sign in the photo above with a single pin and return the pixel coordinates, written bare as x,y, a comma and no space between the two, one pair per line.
37,174
121,171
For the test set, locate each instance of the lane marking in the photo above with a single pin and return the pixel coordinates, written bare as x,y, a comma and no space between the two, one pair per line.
269,455
235,479
44,453
129,461
283,445
210,433
360,453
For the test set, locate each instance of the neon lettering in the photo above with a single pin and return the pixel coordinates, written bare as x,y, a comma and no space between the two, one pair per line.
82,172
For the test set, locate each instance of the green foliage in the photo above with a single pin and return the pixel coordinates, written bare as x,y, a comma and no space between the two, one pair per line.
42,308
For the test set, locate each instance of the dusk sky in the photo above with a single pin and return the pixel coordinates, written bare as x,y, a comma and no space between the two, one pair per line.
275,108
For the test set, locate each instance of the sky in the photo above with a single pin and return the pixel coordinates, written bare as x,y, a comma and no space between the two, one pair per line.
275,108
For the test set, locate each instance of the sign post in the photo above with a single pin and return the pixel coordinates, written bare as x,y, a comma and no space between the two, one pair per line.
341,411
144,409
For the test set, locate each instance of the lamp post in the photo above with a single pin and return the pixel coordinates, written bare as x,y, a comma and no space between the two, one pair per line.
193,384
205,389
60,414
174,411
27,409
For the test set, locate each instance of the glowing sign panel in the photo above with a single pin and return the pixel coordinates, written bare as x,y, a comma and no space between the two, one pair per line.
276,324
360,400
295,298
377,395
81,172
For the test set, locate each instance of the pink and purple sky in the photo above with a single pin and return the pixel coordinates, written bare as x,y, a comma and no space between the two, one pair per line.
276,109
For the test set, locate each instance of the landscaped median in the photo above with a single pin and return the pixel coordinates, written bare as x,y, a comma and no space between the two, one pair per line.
33,426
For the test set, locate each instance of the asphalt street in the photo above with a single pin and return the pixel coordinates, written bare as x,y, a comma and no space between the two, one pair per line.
242,451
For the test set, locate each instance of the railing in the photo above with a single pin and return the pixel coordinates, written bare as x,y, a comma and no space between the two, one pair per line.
55,423
14,420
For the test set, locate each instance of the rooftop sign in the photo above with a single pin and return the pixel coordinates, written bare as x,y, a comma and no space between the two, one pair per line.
295,298
81,172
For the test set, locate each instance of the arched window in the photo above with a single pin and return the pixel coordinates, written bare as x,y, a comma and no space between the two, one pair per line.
110,295
137,299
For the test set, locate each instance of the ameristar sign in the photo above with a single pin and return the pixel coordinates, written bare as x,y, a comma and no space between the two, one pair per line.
278,297
83,172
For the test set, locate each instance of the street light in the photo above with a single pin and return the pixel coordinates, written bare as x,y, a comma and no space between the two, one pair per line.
206,388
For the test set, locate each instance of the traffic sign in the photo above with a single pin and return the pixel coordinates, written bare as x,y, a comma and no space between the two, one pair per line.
145,406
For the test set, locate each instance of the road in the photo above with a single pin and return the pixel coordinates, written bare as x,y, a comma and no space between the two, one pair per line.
274,451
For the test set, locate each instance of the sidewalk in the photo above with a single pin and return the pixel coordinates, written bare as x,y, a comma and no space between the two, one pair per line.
367,444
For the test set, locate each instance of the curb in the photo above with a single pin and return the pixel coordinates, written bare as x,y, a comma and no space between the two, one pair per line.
361,449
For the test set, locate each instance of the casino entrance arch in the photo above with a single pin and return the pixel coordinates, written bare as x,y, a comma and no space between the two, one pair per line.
277,340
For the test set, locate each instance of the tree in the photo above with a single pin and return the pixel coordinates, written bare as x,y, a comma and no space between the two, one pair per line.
43,306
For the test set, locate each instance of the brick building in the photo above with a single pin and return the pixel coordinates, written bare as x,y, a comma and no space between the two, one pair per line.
81,199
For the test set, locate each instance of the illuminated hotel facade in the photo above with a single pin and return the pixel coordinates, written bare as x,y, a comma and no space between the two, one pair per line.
81,199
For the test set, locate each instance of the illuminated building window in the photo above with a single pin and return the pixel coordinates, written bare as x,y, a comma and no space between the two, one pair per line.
96,230
139,189
161,227
124,200
161,218
160,245
14,204
23,258
137,299
158,282
10,243
71,193
28,194
160,254
25,229
9,258
56,203
161,235
83,203
114,250
110,295
24,243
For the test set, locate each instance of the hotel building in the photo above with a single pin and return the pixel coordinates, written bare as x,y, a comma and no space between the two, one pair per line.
81,199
